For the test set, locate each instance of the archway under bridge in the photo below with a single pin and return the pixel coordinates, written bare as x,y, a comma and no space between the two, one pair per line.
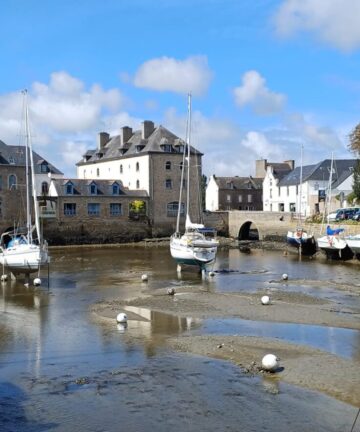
248,231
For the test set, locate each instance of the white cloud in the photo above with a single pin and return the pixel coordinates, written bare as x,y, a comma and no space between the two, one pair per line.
335,22
253,92
179,76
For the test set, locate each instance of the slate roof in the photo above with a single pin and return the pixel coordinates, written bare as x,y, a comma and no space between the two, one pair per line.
238,182
153,144
342,169
104,188
15,155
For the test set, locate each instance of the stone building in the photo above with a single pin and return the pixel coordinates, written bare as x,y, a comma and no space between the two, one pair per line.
13,183
95,211
234,193
149,159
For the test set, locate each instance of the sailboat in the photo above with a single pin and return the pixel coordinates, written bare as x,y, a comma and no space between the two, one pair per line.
332,243
197,246
22,249
300,238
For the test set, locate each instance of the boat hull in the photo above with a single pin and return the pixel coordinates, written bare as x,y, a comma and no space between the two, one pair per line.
193,255
354,243
306,244
335,247
23,259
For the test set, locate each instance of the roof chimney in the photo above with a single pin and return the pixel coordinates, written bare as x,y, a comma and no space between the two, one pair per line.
260,169
103,138
148,128
291,164
125,134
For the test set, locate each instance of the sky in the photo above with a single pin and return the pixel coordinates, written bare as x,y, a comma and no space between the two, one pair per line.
267,77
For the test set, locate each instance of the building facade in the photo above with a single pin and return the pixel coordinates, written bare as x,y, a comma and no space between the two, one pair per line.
286,192
234,193
149,159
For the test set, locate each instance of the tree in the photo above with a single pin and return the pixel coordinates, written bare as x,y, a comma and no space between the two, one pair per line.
356,184
354,144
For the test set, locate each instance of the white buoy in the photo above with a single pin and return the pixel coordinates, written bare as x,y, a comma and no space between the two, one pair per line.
270,362
144,277
285,276
4,278
171,291
37,281
121,318
211,274
265,300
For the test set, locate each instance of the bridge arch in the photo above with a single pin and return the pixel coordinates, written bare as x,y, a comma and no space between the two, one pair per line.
249,231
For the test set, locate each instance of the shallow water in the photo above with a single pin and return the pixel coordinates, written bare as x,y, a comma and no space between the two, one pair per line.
61,371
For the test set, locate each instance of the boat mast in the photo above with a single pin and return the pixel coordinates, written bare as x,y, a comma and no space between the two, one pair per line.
301,180
328,195
188,157
27,169
33,181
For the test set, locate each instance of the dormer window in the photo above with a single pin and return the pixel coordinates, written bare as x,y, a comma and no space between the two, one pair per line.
122,151
115,189
11,160
249,185
69,188
138,148
230,185
167,148
93,189
44,167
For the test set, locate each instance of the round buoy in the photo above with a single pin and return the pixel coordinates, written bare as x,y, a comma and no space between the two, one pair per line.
121,318
285,276
37,281
211,274
4,278
144,277
270,362
265,300
171,291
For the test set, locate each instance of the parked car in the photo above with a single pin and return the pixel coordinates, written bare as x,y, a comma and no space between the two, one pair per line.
344,214
356,216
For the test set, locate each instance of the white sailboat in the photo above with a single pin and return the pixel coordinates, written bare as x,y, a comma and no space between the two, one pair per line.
22,250
353,241
300,238
332,243
197,246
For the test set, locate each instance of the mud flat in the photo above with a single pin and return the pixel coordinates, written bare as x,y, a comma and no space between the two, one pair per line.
300,365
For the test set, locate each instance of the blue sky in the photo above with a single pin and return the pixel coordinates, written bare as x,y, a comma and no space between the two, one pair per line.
266,75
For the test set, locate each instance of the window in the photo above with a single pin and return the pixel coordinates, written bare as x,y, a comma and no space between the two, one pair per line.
12,181
167,148
168,165
168,184
287,190
44,188
181,165
270,193
69,188
115,189
281,207
69,209
228,198
292,207
249,198
115,209
240,198
98,172
94,209
249,185
44,168
137,184
11,160
93,189
121,169
172,209
279,191
137,166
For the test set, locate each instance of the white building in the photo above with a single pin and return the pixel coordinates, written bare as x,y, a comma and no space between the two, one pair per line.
282,190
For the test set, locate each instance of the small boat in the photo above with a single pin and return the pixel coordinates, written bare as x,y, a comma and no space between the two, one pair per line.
334,245
197,246
300,238
22,250
303,241
353,241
